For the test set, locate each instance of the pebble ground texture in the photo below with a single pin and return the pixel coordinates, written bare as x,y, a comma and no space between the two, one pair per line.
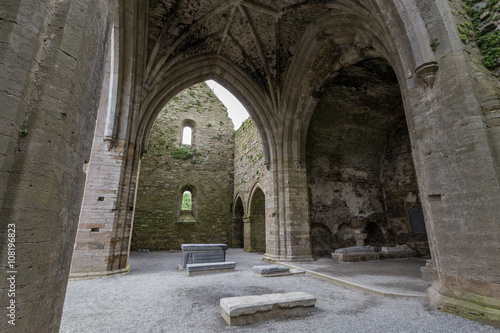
157,297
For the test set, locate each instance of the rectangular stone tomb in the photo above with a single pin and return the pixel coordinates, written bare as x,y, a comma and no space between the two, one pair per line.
202,253
249,309
400,251
269,270
355,253
214,267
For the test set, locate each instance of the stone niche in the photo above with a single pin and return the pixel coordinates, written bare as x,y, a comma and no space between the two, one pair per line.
361,177
204,168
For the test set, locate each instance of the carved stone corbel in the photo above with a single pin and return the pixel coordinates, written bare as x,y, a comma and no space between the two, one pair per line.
427,72
111,141
297,163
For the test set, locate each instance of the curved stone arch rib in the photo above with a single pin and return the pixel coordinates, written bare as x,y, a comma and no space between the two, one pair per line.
256,186
152,72
201,68
243,203
258,46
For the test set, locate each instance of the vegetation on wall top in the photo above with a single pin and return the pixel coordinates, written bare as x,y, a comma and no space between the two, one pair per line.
484,16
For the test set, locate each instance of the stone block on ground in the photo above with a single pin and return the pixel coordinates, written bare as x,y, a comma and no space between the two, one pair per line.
214,267
400,251
355,256
270,269
356,249
202,253
355,253
249,309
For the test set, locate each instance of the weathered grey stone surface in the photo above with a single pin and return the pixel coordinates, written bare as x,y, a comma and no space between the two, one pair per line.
355,249
270,269
248,309
52,56
202,253
428,272
355,256
250,173
214,267
360,169
400,251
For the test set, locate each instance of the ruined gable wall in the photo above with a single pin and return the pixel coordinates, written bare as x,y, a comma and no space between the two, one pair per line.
209,171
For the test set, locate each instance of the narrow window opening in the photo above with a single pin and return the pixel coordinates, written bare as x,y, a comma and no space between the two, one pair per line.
187,133
94,229
187,201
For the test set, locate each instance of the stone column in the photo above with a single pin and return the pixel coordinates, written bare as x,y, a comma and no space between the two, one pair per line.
287,212
247,234
52,55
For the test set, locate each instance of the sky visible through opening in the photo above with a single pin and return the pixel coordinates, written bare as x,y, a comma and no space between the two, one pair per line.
235,109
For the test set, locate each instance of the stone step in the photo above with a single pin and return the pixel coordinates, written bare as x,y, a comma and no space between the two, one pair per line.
249,309
213,267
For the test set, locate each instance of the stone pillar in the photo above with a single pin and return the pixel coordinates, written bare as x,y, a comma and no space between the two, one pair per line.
237,231
459,188
52,56
93,248
247,234
297,242
287,212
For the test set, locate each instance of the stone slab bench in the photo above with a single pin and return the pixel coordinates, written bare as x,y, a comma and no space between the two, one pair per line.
271,270
249,309
202,253
355,253
214,267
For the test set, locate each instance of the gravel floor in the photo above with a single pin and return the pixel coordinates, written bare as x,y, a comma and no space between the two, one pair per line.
157,297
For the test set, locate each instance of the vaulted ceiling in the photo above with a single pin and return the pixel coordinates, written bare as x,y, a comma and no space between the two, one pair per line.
259,36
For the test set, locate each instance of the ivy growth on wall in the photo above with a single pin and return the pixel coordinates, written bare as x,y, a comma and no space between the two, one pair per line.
484,16
184,153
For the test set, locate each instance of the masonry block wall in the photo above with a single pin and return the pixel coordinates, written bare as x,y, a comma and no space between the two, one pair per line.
51,59
205,168
361,177
250,175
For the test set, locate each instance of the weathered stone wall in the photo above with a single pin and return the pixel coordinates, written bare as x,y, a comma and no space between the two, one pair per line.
248,159
96,234
205,168
250,174
51,66
360,171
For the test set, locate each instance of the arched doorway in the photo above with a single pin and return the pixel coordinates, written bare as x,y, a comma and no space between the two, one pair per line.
257,221
238,213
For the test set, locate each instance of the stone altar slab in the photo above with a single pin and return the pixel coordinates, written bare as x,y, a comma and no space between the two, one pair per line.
202,253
